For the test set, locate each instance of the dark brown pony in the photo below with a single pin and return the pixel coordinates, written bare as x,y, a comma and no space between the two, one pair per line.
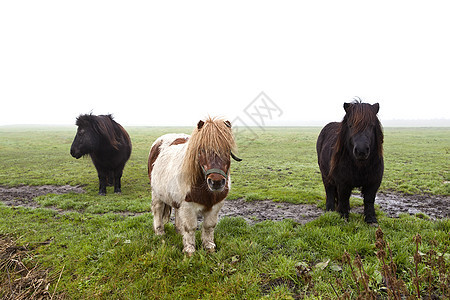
350,154
107,143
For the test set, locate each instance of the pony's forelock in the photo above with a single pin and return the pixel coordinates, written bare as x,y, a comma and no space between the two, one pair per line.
102,125
214,137
359,116
84,120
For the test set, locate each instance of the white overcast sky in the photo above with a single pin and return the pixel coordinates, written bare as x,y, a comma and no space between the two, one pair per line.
173,62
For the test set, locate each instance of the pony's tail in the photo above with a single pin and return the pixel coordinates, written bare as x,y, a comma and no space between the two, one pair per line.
166,213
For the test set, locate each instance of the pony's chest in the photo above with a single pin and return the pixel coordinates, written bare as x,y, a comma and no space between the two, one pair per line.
358,175
107,158
205,197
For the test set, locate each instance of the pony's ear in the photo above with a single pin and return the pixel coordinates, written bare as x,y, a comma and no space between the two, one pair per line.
347,106
376,107
228,123
200,124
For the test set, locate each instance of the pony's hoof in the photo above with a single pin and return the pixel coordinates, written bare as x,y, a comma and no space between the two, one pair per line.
101,194
344,214
210,247
159,231
189,250
371,221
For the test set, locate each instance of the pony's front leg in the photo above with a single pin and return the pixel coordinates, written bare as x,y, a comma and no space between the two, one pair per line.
157,210
369,205
209,224
344,193
330,191
186,220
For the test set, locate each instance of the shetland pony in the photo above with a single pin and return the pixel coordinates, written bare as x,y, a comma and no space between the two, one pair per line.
107,143
350,154
192,175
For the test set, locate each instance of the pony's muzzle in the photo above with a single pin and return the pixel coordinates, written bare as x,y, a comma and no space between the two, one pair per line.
216,182
216,179
75,153
361,152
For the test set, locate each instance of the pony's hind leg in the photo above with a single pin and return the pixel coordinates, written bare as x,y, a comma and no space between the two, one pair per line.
117,181
158,212
177,221
110,178
167,211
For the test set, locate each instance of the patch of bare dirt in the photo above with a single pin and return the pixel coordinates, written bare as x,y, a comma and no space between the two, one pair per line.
24,195
261,210
435,207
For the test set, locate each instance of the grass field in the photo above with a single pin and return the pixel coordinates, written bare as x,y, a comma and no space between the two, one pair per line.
93,251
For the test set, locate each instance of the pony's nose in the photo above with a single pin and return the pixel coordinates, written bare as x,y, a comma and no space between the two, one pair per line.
75,153
216,185
361,152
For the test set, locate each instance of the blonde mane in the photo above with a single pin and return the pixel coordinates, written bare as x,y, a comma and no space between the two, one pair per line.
214,137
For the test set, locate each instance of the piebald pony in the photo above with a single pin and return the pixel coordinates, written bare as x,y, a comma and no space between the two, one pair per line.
191,174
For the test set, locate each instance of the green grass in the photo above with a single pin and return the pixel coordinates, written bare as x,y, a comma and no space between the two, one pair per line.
108,255
281,164
417,160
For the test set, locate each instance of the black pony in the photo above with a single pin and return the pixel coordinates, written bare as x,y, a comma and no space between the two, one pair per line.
350,154
107,143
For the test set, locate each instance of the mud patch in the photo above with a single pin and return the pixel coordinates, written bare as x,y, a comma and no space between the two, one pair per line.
24,195
261,210
435,207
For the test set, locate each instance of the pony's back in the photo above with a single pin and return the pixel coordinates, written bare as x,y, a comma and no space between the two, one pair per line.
165,163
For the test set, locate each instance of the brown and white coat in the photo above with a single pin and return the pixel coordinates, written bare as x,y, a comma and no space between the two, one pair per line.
191,174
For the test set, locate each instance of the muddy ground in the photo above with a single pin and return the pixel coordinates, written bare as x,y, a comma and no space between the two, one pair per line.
392,204
435,207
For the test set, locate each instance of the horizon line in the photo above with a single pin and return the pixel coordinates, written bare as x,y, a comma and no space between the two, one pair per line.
440,122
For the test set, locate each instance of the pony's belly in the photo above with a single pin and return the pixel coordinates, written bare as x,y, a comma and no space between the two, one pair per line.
168,195
200,209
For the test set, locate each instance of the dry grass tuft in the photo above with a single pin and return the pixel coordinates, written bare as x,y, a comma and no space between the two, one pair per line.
431,283
20,277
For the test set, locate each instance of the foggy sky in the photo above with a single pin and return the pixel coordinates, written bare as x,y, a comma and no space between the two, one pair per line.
173,62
